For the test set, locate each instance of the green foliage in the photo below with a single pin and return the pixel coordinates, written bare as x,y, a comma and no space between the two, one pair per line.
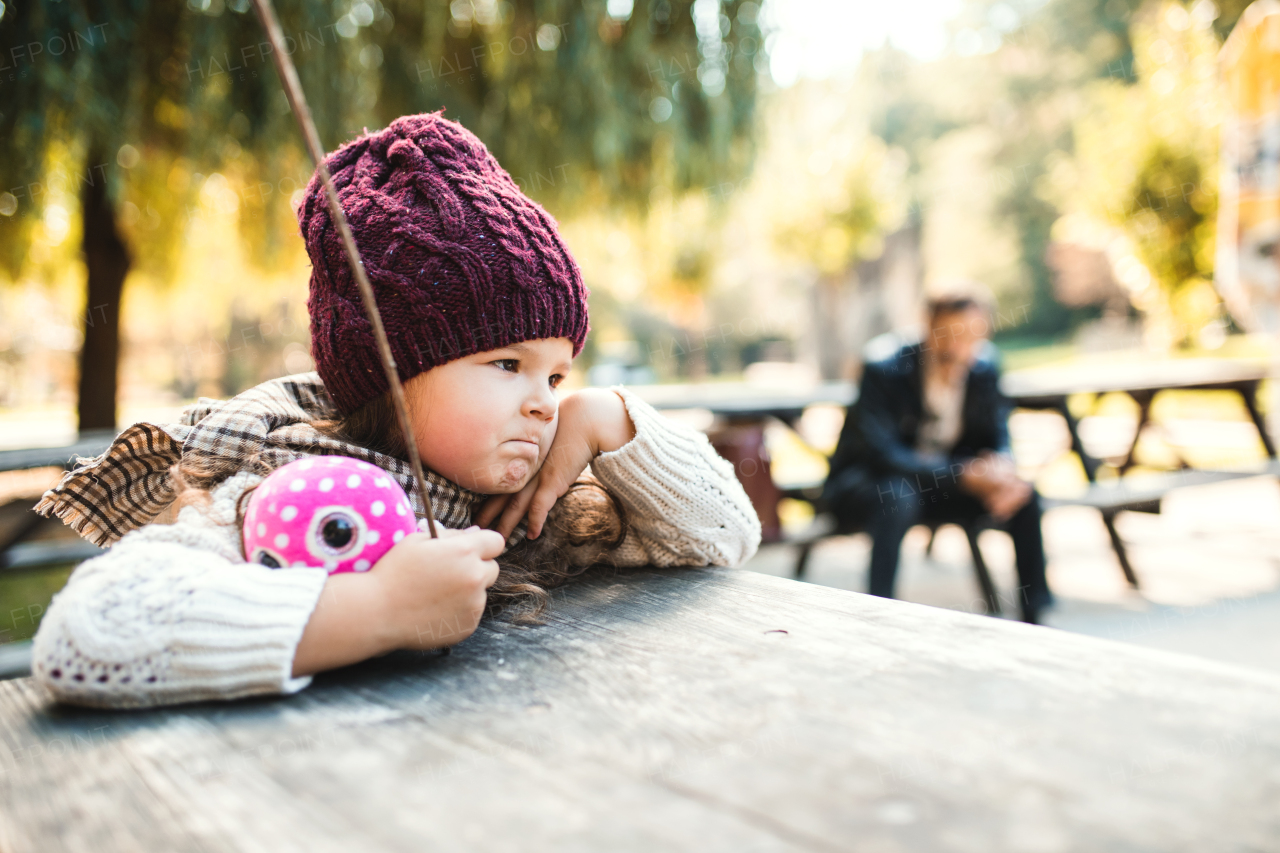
567,97
1145,164
844,218
1035,83
1168,210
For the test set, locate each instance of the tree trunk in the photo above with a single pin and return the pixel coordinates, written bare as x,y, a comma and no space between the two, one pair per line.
107,260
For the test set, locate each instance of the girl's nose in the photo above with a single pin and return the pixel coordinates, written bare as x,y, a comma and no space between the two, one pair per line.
541,402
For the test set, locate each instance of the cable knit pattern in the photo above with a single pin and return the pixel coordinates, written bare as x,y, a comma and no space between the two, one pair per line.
685,506
460,260
172,613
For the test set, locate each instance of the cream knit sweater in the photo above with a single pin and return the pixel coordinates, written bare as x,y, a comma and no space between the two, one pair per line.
173,613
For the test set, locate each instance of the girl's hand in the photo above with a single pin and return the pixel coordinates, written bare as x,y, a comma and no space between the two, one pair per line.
590,422
435,589
423,594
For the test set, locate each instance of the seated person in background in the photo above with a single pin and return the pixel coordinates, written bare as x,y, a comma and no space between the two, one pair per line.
928,441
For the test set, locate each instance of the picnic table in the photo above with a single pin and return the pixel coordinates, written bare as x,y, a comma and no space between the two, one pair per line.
745,409
17,519
1050,388
685,709
747,401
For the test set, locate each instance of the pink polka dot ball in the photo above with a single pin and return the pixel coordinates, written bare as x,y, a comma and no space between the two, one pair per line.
330,512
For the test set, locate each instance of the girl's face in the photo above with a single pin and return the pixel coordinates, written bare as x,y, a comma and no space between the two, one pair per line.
486,421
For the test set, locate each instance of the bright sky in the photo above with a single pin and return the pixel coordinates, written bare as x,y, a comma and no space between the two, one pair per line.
824,38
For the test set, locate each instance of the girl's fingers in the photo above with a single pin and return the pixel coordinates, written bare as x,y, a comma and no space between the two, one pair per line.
541,504
488,543
491,509
491,573
515,509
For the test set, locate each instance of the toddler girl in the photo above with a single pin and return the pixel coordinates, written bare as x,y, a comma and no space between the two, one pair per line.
485,310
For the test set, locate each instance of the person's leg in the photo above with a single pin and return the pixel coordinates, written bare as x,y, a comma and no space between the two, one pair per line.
958,506
950,504
1028,546
896,509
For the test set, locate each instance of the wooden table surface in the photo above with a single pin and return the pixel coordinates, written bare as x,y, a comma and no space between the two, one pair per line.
1097,378
747,399
681,710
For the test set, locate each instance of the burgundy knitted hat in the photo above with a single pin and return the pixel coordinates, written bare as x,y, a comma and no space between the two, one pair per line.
461,261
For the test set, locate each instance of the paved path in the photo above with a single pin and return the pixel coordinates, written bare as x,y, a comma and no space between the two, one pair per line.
1210,566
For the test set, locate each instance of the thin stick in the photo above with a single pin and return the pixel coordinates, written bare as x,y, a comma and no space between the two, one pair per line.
298,103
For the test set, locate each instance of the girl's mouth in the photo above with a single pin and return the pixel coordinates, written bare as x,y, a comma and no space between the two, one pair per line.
522,443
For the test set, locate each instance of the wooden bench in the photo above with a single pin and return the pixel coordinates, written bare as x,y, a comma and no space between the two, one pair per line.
680,710
17,520
824,526
1051,389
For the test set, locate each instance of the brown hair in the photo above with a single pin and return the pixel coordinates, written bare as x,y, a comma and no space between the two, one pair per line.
587,514
956,297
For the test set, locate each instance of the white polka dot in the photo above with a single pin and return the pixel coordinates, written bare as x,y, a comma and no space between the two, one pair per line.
399,534
271,507
400,509
378,508
362,565
381,482
289,513
305,464
374,536
326,485
331,564
297,485
262,529
282,540
353,481
298,564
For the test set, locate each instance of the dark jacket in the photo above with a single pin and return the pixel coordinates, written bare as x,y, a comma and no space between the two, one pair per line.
880,431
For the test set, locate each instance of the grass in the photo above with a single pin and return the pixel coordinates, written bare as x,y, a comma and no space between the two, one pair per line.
24,598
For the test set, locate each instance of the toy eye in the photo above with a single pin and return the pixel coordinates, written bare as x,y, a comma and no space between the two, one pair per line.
267,559
337,532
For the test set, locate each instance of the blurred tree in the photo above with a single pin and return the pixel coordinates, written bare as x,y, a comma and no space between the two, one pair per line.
1045,56
133,110
832,192
1145,163
1047,53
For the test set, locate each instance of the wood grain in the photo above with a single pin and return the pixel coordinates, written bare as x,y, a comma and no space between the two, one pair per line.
681,710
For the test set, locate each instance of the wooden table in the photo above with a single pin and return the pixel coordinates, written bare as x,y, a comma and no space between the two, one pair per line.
1050,388
18,520
87,444
698,710
747,401
742,410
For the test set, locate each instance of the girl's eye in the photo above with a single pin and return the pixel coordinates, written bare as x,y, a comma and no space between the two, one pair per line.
507,364
556,380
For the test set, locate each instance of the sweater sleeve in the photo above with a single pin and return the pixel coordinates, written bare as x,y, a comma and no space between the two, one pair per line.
684,505
172,613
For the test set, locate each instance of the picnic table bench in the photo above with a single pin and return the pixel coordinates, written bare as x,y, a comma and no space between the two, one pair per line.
17,520
685,709
1051,388
745,408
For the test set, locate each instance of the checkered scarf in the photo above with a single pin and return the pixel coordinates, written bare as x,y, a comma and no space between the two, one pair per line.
129,485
